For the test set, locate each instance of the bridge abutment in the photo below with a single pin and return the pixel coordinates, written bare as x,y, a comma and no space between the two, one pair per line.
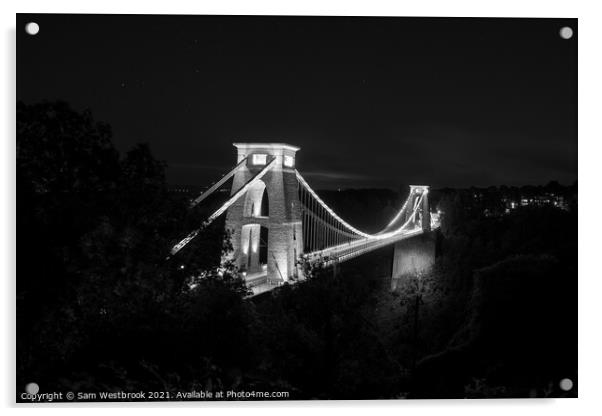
411,256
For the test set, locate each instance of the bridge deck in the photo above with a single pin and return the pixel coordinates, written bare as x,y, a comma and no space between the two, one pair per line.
347,251
258,282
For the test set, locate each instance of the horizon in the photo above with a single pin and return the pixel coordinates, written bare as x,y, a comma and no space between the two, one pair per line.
392,189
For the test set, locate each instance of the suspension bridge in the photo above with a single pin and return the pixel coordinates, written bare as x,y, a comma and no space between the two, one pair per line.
278,222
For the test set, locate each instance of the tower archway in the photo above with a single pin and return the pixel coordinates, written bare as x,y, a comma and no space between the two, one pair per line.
257,203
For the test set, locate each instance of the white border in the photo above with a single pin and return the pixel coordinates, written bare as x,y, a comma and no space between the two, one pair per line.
590,151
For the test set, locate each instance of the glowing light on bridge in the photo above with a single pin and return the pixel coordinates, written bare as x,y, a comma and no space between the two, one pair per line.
288,161
260,159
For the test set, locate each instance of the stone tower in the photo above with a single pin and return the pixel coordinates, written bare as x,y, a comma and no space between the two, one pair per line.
266,222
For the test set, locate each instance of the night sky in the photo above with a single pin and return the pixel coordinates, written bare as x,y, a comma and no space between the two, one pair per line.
372,102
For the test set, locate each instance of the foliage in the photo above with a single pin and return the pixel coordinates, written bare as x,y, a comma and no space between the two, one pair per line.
95,295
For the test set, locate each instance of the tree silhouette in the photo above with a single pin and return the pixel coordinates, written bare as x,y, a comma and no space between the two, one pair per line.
94,231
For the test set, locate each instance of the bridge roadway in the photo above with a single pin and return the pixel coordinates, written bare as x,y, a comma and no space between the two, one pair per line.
347,251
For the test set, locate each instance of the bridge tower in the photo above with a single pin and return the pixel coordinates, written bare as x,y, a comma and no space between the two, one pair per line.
266,222
417,254
416,191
